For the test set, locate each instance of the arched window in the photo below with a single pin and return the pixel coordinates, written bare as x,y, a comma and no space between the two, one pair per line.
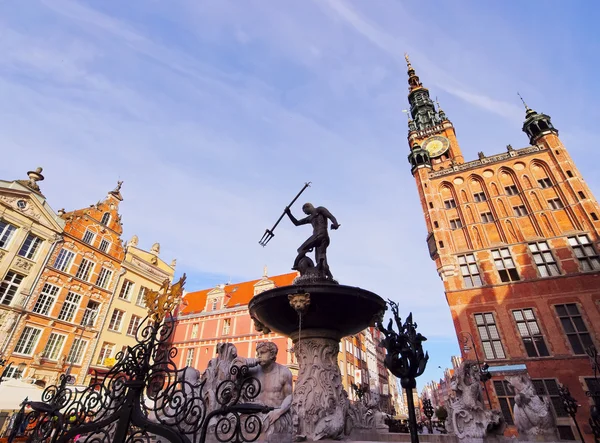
105,218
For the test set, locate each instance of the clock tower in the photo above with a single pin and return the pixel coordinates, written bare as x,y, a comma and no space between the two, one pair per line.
515,238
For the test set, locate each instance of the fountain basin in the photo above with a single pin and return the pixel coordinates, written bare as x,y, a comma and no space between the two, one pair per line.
341,310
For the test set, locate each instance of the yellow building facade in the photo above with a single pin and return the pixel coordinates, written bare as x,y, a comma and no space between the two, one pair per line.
29,232
140,271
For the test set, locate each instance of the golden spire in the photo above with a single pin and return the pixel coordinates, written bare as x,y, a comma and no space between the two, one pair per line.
413,79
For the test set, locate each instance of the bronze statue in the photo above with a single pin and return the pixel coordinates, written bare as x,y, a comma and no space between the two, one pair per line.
319,240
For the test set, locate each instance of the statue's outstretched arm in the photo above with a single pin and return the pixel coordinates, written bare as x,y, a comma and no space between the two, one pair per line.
294,220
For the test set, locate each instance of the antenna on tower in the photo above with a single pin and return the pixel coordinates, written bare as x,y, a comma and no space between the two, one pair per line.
524,104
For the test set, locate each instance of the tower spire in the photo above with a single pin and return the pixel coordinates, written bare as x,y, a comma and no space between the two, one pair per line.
413,78
527,109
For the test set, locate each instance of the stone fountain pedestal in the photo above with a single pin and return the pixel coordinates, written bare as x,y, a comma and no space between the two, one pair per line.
316,315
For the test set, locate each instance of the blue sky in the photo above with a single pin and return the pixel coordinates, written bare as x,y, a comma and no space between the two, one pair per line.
214,113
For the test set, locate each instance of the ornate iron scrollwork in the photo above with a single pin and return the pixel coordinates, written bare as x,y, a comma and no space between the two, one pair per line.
145,395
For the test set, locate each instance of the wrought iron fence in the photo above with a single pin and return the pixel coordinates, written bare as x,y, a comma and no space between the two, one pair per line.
144,397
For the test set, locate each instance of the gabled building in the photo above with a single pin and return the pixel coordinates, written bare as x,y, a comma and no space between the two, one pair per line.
29,232
69,302
140,272
515,239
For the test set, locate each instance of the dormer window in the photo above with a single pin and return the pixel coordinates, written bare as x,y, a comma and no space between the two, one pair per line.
214,305
105,218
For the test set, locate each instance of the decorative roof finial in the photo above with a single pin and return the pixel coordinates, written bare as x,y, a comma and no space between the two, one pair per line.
116,193
413,79
524,104
407,61
265,274
34,177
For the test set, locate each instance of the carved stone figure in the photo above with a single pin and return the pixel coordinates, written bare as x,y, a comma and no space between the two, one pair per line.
468,418
276,391
533,415
216,372
319,240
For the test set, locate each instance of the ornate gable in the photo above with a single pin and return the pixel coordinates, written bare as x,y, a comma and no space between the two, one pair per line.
24,203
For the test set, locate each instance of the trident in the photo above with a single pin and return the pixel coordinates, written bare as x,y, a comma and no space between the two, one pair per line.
269,232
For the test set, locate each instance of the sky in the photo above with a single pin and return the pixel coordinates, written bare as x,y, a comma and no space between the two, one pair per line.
215,113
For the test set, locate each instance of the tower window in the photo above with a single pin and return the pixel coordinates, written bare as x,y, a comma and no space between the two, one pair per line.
569,174
456,223
480,197
431,205
489,335
487,217
436,224
511,190
585,252
448,204
555,203
520,210
505,265
581,194
543,259
530,333
594,216
574,327
441,243
469,271
545,182
105,218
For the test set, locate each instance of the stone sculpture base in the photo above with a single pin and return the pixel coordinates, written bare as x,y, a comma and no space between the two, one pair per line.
320,403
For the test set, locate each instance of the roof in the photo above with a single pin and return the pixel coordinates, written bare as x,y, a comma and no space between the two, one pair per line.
235,293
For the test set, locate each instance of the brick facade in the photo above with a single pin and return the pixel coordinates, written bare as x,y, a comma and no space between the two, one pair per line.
515,239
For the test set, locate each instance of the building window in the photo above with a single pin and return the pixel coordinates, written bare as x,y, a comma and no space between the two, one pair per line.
520,210
581,194
490,338
84,270
105,352
530,332
70,306
141,297
90,314
115,321
9,287
511,190
30,246
105,218
585,252
54,346
505,265
104,278
569,174
555,203
594,216
46,299
574,327
63,260
6,232
506,397
126,290
194,330
456,223
226,326
214,305
436,225
487,217
134,323
189,360
104,245
88,237
545,182
15,372
469,270
27,340
593,385
543,258
448,204
548,388
76,352
479,197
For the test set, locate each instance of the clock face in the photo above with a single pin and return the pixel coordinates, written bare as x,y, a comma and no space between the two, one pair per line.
436,145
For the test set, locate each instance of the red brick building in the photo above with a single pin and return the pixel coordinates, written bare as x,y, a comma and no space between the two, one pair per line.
515,239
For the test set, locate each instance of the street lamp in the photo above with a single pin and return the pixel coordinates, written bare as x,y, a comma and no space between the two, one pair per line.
570,405
428,411
483,369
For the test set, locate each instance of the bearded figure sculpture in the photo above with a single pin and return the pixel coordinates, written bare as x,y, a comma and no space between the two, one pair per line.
533,415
